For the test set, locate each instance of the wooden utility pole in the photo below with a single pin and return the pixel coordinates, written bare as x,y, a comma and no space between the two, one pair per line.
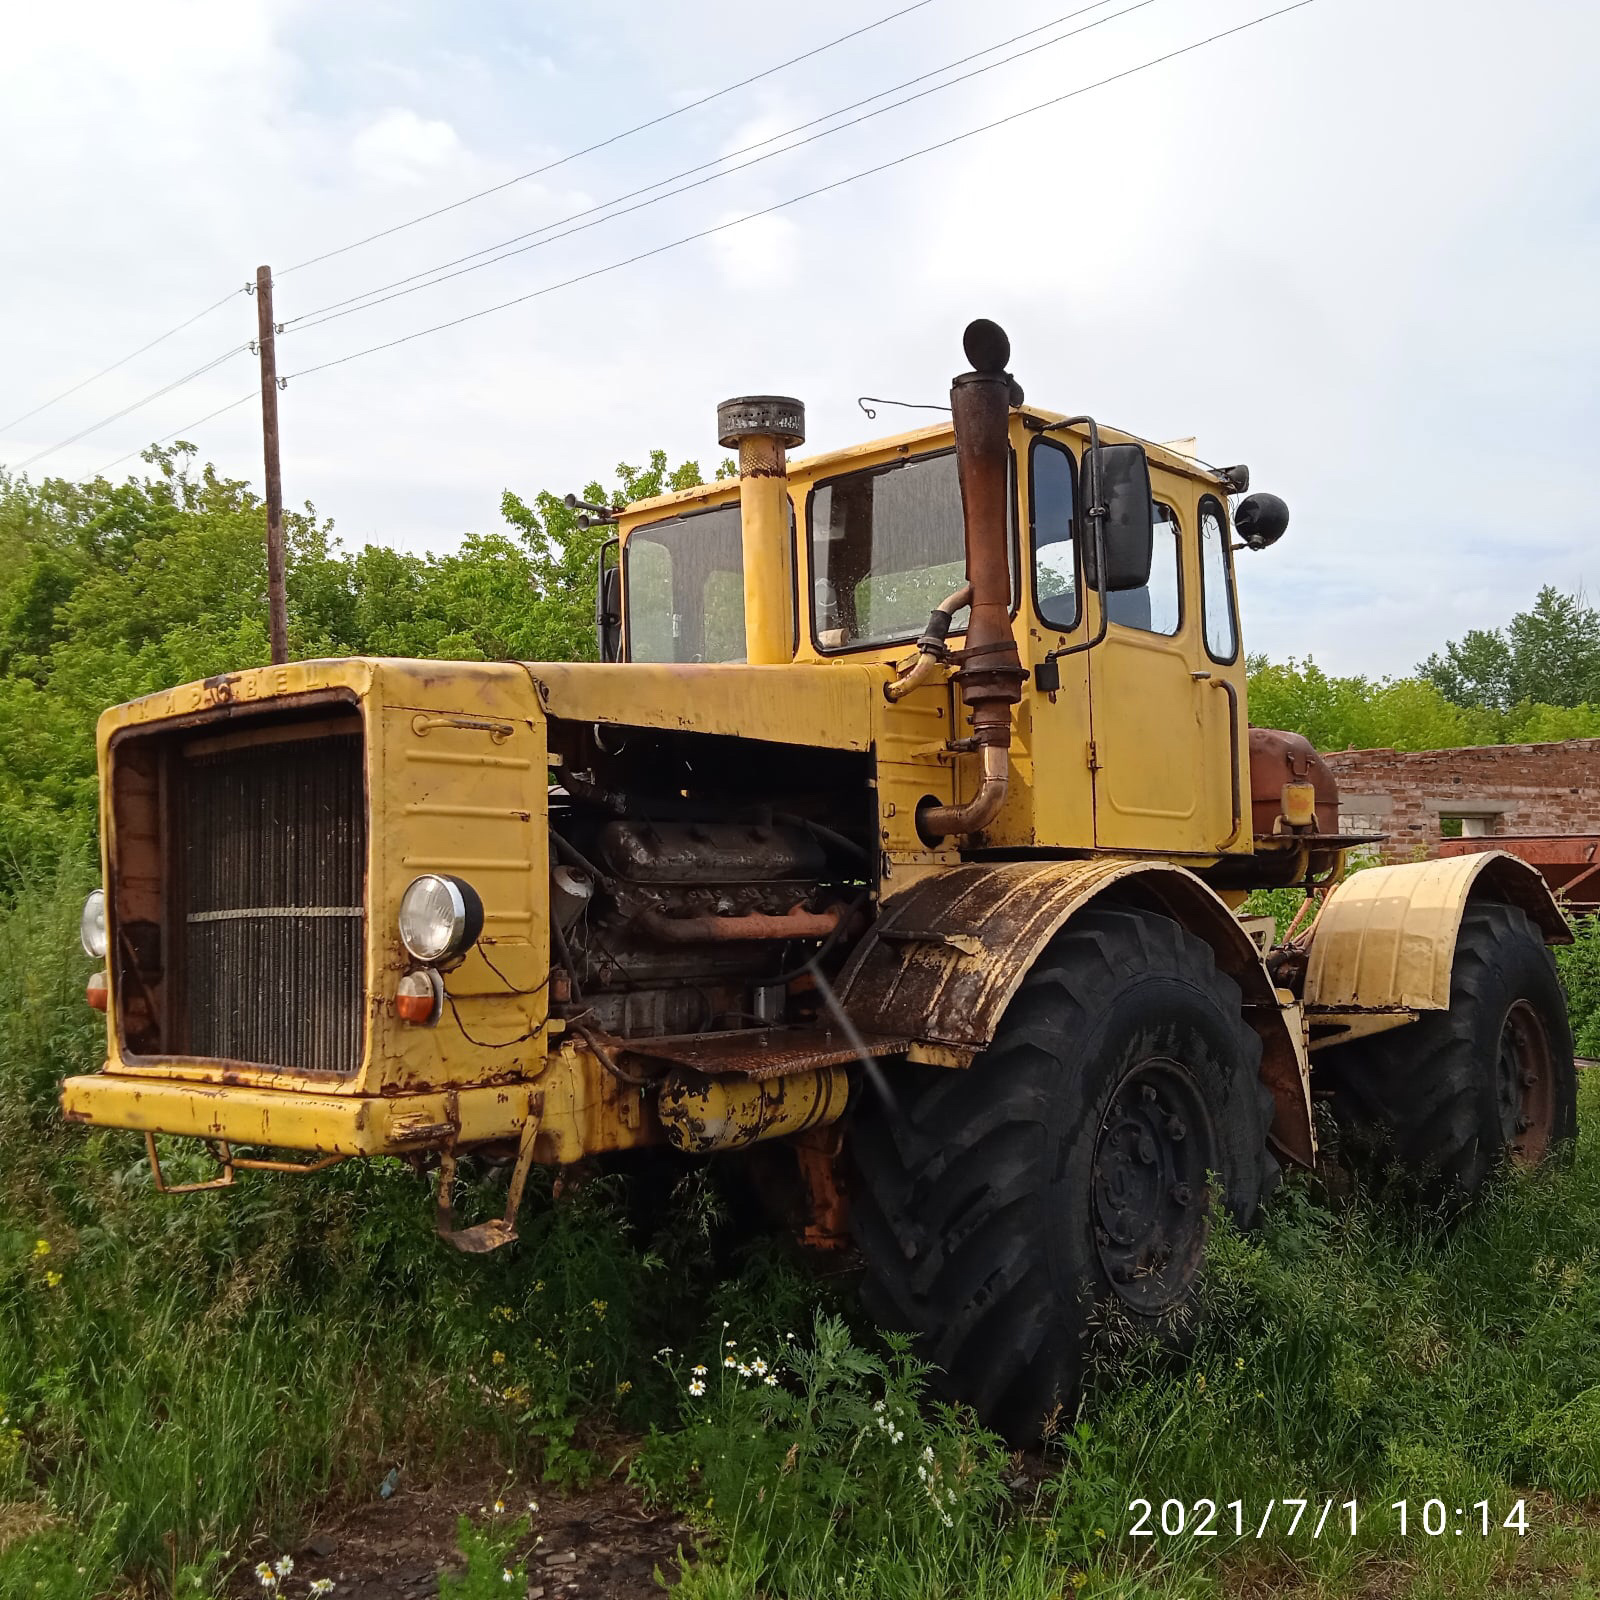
266,340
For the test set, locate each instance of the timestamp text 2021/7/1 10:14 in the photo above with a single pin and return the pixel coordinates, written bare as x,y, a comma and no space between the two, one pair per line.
1317,1518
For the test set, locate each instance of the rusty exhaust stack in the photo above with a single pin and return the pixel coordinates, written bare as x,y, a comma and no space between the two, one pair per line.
991,674
763,428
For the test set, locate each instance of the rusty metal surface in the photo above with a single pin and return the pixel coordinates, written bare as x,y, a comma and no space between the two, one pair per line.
703,851
943,994
1569,862
1386,937
270,944
761,1053
996,918
796,924
702,1114
1277,758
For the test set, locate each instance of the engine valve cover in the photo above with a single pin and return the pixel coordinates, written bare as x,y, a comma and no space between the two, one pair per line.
709,852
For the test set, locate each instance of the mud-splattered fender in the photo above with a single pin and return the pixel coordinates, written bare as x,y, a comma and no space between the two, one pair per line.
944,959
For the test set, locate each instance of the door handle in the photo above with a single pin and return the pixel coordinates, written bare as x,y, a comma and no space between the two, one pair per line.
1234,774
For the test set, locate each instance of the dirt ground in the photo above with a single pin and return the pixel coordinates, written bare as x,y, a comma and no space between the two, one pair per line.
596,1544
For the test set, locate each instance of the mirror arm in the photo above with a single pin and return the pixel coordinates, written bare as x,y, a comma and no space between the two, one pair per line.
1097,520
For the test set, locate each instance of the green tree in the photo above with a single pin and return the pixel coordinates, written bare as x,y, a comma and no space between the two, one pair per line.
1548,655
110,591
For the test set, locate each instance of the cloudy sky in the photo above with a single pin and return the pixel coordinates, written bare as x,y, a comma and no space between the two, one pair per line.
1356,246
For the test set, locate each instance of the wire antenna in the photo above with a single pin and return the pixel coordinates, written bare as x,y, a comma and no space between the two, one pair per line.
868,401
615,138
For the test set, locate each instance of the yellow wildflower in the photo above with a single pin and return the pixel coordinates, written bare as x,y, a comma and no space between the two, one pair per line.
498,1359
41,1247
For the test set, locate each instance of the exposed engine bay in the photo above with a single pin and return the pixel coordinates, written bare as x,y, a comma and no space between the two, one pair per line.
679,907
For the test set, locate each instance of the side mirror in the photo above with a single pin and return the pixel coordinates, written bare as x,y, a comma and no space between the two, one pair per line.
608,607
1261,520
1116,477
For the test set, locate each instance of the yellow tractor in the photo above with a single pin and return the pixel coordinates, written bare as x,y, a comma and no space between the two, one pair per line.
899,840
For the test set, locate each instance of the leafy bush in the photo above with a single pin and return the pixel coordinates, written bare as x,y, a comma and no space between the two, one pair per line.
1580,973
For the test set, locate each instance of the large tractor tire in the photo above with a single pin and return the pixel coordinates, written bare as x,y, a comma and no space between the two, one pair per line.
1002,1210
1445,1100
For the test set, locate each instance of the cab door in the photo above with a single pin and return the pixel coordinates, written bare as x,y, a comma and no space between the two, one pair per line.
1161,729
1053,726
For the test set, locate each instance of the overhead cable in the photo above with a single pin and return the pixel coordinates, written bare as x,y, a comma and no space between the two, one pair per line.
178,433
809,194
96,377
615,138
138,405
441,273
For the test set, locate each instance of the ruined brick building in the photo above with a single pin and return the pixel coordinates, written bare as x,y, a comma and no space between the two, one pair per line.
1421,797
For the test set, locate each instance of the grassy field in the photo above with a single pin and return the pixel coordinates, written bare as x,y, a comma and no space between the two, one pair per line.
184,1382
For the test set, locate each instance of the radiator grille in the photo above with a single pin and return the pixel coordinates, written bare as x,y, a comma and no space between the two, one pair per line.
273,931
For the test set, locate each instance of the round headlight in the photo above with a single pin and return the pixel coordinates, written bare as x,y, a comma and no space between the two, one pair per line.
440,917
92,925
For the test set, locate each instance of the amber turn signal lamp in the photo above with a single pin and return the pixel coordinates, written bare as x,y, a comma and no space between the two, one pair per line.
96,992
419,997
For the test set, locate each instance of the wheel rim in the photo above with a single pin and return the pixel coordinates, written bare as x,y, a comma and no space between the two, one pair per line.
1525,1085
1154,1154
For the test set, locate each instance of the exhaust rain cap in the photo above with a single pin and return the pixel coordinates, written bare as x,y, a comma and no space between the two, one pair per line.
989,350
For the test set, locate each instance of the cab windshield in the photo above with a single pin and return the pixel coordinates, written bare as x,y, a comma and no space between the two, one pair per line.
684,579
887,545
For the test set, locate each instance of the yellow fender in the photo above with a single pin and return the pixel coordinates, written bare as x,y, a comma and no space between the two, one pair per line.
944,959
1385,940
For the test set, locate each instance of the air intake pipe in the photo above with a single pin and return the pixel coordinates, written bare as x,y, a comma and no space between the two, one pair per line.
764,428
991,673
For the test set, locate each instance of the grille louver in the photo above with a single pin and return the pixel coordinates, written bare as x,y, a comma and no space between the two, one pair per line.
274,927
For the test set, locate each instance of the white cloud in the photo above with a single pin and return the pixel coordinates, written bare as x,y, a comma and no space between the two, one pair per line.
1363,269
757,258
401,149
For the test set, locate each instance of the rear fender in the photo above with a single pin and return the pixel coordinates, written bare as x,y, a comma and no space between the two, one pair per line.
1385,940
943,961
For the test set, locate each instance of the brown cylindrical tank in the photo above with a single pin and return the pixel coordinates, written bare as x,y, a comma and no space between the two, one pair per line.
1281,761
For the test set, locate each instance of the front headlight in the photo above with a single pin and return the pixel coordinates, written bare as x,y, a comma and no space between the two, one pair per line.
440,917
92,925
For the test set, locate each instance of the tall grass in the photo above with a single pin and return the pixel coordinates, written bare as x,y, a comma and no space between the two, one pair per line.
186,1380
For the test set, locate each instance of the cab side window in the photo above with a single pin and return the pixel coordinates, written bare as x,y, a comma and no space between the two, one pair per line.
1216,583
1158,606
1051,475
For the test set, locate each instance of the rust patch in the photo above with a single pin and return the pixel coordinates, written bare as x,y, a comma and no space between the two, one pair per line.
762,1053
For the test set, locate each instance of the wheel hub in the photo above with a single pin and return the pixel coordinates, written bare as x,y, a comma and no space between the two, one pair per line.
1525,1085
1154,1153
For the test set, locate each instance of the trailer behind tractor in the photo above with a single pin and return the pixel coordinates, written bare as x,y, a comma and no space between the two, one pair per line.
901,835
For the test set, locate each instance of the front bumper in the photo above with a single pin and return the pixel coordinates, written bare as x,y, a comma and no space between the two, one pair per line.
581,1112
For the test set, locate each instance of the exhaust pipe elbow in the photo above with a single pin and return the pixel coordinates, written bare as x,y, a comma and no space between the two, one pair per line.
940,822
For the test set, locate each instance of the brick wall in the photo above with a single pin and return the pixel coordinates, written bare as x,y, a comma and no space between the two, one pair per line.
1503,788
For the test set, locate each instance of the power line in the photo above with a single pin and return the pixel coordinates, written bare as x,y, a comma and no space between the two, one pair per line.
382,294
178,433
117,416
328,255
722,227
626,133
161,339
826,188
